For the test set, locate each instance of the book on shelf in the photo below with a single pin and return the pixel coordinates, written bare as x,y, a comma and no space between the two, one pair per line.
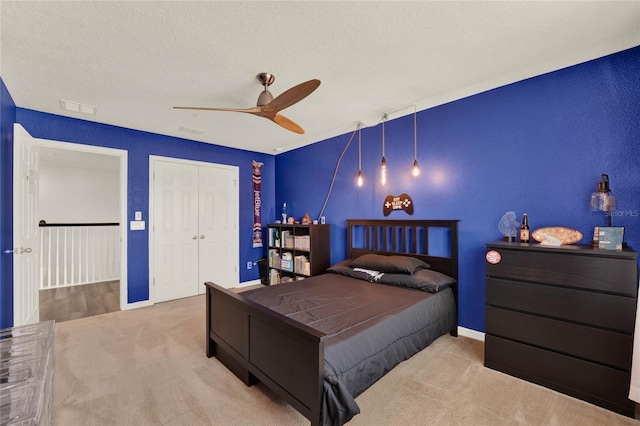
302,265
301,242
274,258
274,277
286,265
287,239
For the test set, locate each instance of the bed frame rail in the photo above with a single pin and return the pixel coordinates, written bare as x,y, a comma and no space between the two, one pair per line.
258,344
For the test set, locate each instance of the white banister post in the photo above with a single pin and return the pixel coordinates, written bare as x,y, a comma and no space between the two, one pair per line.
73,264
66,277
49,260
42,258
57,256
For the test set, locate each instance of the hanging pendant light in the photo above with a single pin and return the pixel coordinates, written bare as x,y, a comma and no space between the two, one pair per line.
415,171
383,163
360,178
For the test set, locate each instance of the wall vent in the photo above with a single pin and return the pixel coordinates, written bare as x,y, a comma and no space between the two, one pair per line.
78,107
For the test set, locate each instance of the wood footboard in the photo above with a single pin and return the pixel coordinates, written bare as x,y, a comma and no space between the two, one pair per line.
258,344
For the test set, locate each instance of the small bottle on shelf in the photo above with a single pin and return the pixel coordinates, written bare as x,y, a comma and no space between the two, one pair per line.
524,229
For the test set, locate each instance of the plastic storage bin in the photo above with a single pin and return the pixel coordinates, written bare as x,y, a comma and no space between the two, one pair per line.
26,374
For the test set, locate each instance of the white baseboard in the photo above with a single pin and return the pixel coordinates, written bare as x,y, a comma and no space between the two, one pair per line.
248,283
145,303
136,305
472,334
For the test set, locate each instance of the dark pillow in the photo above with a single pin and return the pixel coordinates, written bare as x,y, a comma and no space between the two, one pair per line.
389,264
423,279
343,268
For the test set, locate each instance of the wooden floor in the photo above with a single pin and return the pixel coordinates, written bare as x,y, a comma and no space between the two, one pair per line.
67,303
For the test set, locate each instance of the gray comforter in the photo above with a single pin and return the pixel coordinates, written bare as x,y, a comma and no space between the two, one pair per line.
373,327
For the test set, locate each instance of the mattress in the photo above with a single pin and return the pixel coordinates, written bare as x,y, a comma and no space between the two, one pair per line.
371,327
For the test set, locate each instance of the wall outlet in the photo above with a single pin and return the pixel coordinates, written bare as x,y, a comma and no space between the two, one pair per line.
136,225
249,265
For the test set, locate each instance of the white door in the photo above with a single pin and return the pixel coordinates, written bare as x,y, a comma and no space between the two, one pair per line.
195,227
175,230
26,232
218,223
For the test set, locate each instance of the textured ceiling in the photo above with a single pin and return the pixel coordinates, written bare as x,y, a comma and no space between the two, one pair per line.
135,60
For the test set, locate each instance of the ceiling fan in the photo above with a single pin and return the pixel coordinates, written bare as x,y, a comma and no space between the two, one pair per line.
268,106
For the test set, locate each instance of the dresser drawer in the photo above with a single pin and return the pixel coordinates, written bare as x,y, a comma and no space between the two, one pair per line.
593,344
600,385
609,274
598,309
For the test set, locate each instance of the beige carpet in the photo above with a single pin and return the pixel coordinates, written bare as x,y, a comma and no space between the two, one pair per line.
148,367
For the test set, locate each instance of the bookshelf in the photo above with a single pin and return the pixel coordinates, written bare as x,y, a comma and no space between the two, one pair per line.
296,252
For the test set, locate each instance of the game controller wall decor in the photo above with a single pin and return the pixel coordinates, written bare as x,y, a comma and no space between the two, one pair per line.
400,202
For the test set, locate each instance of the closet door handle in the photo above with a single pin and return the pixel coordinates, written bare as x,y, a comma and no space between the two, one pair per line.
202,237
195,237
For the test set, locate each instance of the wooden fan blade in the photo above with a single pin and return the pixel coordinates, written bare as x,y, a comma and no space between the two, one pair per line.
287,124
293,95
254,110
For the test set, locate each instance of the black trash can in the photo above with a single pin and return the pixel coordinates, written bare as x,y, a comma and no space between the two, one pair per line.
263,268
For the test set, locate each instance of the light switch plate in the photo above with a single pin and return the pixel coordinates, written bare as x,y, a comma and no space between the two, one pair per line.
138,215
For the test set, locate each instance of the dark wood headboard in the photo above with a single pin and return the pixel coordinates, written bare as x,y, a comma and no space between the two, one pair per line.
407,238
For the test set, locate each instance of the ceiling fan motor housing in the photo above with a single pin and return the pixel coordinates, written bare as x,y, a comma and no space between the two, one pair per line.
264,98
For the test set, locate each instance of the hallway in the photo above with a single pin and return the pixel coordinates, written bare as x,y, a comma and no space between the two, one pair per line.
68,303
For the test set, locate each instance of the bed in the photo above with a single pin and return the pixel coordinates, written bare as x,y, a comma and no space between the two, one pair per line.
321,342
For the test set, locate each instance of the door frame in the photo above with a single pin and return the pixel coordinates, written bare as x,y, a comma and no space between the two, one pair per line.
123,181
152,160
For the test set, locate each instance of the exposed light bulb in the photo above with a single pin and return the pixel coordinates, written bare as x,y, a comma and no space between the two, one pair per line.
383,172
416,170
360,178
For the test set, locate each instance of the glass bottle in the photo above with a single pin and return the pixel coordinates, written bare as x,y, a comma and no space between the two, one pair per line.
524,229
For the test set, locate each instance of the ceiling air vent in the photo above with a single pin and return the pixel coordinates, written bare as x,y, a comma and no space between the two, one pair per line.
78,107
190,130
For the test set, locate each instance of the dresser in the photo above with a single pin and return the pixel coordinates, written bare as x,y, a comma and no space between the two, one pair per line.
563,317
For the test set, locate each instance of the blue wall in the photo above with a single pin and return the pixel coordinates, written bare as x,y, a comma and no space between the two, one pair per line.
139,146
7,118
537,146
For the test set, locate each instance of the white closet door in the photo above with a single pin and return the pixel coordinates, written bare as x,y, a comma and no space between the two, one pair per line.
176,236
219,251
